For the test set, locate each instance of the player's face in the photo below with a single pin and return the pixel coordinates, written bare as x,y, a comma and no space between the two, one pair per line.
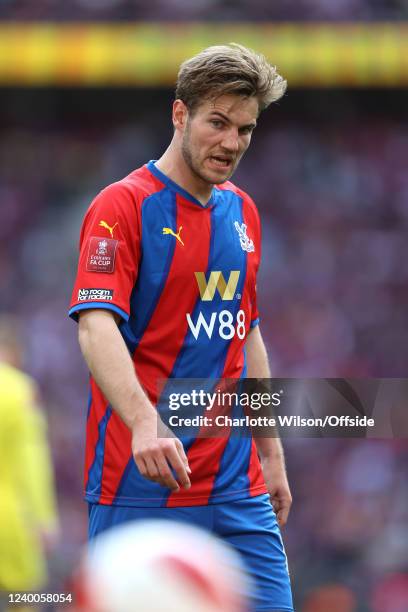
217,135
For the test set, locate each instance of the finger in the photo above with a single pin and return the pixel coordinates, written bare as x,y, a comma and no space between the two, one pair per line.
282,517
183,455
141,465
152,469
283,512
166,476
147,470
175,459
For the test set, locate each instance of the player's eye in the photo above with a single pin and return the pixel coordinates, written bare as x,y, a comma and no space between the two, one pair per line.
216,123
246,130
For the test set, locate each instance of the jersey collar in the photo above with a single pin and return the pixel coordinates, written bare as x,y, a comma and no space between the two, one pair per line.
151,165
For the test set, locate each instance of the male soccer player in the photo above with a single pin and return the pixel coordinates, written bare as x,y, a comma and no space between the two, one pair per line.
166,288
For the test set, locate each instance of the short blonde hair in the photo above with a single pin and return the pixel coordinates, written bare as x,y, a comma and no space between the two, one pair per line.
228,69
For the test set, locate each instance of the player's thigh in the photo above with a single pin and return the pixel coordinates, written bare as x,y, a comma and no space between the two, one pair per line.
250,526
103,517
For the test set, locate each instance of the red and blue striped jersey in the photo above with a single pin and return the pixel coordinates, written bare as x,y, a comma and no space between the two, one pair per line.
182,276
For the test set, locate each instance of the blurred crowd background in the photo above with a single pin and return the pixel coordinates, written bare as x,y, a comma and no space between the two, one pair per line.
328,171
213,10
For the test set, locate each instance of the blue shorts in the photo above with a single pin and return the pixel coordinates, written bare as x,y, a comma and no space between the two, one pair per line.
249,525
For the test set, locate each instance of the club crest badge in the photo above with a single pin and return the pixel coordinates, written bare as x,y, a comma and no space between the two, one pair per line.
246,243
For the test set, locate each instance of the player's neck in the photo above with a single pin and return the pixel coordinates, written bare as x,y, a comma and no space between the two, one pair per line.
172,164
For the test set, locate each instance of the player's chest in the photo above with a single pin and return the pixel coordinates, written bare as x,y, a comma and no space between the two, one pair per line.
185,242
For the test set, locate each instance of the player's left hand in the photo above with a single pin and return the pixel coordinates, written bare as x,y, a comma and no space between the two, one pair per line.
278,487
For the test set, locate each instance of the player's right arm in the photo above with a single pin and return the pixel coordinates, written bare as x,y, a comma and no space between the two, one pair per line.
110,364
110,251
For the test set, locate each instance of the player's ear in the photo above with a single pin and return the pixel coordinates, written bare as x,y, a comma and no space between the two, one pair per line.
180,114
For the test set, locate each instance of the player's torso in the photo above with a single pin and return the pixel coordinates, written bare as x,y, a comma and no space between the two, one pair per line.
190,312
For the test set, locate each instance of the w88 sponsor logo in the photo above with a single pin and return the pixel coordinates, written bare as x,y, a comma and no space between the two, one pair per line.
227,327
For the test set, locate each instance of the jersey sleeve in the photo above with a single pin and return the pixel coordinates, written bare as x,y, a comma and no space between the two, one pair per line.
109,253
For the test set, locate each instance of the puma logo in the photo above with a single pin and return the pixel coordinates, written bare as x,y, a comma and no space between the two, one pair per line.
108,227
168,230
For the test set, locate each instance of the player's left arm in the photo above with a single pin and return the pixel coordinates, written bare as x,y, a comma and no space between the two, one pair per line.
270,449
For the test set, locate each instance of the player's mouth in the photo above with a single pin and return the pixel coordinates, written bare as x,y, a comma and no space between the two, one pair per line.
220,161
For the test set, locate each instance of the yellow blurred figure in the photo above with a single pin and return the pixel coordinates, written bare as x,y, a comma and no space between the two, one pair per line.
27,502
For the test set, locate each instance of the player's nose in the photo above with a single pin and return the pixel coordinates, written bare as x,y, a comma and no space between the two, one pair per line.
230,142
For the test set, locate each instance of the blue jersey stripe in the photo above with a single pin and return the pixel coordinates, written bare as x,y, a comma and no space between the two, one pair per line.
233,469
121,490
94,483
189,363
160,206
88,412
185,366
234,465
147,490
73,313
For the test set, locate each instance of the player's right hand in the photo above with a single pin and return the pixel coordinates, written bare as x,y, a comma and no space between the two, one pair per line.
157,452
